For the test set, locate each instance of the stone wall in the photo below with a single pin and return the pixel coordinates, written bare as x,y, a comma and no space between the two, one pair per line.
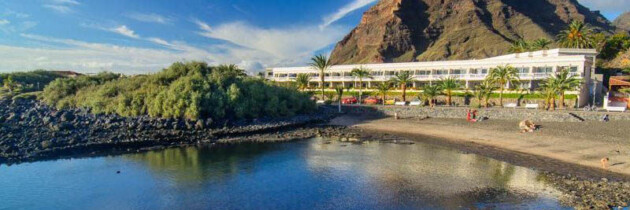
491,113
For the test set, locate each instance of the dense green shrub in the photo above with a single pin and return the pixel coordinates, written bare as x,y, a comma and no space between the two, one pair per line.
30,81
184,90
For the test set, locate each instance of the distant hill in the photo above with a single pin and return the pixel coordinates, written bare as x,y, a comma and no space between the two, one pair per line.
623,22
413,30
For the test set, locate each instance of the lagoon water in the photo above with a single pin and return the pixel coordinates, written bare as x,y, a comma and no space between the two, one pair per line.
305,174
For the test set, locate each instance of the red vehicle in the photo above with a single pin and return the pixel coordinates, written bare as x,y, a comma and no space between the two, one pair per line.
372,101
352,100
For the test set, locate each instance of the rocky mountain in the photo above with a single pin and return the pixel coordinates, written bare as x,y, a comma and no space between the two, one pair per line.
623,22
425,30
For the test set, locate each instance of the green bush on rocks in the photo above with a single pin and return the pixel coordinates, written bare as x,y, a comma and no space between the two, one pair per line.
190,90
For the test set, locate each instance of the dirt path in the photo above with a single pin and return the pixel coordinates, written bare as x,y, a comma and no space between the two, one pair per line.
584,144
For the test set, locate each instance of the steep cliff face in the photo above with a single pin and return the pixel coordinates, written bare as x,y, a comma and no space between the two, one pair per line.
412,30
623,22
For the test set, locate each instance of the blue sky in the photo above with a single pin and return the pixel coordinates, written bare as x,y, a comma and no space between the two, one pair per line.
147,35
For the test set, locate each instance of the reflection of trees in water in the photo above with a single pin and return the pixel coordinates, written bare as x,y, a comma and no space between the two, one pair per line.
421,173
195,165
500,172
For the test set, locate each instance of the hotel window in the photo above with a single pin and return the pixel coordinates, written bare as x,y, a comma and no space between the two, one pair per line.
377,73
457,71
546,69
314,74
523,70
422,73
484,71
573,69
441,72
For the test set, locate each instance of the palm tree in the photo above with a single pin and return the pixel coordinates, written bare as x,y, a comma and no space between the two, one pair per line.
501,76
322,64
541,44
448,85
382,90
430,92
519,46
566,82
403,79
361,73
339,90
550,88
578,35
484,91
302,81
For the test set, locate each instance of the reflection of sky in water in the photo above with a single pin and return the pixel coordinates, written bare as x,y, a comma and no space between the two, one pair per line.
305,174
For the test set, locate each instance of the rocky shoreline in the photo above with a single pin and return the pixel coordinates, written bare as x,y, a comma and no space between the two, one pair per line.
31,131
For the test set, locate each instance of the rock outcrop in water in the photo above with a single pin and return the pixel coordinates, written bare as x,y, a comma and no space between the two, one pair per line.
421,30
31,131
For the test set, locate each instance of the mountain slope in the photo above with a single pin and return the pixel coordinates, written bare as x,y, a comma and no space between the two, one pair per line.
410,30
623,22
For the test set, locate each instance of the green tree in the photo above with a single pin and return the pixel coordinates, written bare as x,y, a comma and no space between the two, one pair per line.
541,44
302,81
577,35
382,89
550,88
448,85
519,46
483,91
403,79
361,73
430,92
501,76
339,91
566,82
322,64
9,84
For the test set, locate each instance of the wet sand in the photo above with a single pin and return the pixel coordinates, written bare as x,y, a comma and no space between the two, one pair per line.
565,148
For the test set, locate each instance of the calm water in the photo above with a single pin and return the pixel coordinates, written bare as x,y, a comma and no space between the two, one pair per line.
299,175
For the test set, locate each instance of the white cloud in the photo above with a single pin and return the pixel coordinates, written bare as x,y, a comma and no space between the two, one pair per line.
88,57
123,30
4,22
610,6
345,10
15,27
202,25
61,6
58,8
291,43
150,18
73,2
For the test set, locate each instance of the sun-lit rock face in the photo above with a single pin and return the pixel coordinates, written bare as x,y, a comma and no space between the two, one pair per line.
623,22
410,30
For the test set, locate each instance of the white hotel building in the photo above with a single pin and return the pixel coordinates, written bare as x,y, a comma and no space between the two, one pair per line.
533,67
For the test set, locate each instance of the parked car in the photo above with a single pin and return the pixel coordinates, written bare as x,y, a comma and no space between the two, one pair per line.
351,100
390,102
372,101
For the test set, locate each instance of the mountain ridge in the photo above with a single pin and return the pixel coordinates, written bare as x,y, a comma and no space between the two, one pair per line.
428,30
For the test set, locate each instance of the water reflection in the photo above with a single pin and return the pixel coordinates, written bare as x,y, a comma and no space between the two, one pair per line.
195,165
429,174
299,175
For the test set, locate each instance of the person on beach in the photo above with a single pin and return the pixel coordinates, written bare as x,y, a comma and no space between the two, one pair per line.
605,163
527,126
471,115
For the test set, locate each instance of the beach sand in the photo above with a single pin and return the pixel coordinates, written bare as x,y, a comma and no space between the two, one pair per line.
574,148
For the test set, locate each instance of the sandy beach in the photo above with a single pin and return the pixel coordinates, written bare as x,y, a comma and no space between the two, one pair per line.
556,147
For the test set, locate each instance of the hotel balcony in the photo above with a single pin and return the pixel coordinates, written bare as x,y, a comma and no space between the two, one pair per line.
463,77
